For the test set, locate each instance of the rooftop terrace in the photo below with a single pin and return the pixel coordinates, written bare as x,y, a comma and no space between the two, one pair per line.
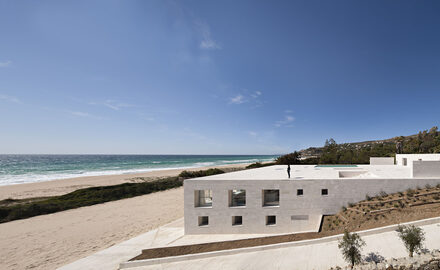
307,172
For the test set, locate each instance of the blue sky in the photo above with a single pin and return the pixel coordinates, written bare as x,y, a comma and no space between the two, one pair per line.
214,77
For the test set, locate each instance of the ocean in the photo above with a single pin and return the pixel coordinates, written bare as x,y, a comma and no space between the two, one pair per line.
17,169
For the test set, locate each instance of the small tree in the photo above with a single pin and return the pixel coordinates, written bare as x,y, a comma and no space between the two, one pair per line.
351,245
292,158
412,237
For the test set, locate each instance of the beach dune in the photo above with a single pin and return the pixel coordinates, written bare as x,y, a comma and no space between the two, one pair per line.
51,241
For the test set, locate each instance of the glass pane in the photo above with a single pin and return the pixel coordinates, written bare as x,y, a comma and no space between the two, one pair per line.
203,198
271,197
238,197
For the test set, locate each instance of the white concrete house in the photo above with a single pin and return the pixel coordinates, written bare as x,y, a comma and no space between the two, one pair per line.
265,200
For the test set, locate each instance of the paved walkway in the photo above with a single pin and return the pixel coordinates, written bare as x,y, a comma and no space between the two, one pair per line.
171,234
314,256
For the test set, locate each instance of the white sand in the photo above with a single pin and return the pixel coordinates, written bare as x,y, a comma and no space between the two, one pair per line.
50,241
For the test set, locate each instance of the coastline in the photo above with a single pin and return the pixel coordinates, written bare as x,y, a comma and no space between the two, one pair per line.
53,240
63,186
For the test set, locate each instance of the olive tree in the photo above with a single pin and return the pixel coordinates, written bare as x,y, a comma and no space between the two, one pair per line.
412,237
351,245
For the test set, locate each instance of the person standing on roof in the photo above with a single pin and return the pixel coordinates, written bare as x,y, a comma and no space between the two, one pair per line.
288,170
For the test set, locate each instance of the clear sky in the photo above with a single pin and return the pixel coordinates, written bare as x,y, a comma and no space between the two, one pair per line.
214,77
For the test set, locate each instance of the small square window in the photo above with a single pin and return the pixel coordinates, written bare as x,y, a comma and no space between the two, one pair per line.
271,220
237,220
203,221
299,192
324,191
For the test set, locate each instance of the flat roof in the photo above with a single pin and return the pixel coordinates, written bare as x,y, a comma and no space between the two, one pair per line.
306,172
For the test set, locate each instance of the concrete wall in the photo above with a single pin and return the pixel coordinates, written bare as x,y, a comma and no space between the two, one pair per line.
312,203
381,160
412,157
426,169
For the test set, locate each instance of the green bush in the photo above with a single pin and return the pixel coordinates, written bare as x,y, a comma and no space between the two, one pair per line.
94,195
292,158
194,174
412,237
259,165
351,246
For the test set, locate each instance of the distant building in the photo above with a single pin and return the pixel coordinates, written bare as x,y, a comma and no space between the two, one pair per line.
265,201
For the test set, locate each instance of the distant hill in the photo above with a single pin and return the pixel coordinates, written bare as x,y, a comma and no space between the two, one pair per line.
427,141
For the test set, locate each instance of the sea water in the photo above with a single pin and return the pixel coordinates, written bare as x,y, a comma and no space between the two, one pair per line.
16,169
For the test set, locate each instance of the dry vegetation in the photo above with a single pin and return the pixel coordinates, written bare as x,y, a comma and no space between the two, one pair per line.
386,209
383,210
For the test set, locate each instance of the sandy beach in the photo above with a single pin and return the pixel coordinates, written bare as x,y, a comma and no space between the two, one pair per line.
50,241
63,186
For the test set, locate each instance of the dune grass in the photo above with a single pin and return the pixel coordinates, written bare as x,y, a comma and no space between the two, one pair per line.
13,209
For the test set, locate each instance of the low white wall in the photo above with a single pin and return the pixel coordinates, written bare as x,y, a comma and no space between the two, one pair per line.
312,203
381,160
413,157
426,169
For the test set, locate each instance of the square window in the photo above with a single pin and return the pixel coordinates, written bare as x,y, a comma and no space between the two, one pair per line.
324,191
299,192
237,220
271,197
271,220
203,221
203,198
237,197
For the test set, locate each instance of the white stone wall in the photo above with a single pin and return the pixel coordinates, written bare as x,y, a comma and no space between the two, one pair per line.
412,157
426,169
381,160
312,203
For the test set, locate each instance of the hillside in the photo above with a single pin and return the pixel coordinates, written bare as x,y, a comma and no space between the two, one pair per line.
427,141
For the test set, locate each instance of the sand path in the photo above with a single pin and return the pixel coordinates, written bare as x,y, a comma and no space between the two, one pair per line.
50,241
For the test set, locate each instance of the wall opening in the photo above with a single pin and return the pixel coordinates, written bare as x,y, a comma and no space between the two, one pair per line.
271,220
237,220
237,197
203,221
203,198
271,197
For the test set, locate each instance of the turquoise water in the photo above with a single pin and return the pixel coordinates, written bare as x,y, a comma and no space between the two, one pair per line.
16,169
331,166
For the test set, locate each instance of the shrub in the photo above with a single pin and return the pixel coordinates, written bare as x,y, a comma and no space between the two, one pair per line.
383,194
259,165
410,192
427,186
367,197
292,158
93,195
412,237
351,245
201,173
